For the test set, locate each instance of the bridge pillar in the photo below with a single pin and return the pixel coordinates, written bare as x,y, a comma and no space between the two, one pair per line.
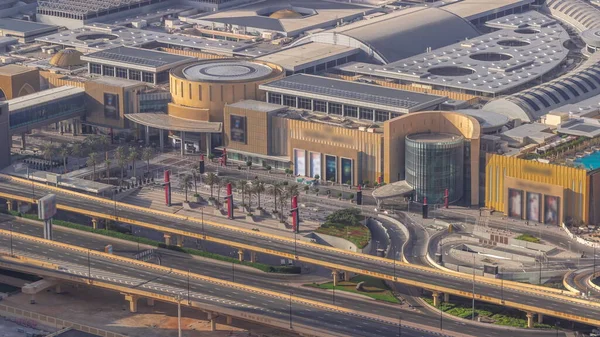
58,289
446,297
182,136
32,299
150,302
212,319
241,255
229,320
436,298
252,257
334,274
23,142
147,136
540,318
346,276
530,319
9,205
95,223
133,299
74,124
167,239
179,240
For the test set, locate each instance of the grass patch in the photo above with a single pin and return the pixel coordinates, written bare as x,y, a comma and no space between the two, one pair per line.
462,308
528,238
374,288
124,236
358,235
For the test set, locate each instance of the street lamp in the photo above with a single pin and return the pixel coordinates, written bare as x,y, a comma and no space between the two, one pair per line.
556,324
188,286
89,267
399,326
179,315
441,317
295,246
203,232
501,287
11,240
291,310
473,309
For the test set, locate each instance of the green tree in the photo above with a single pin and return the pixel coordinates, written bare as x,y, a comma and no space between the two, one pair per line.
77,151
276,191
133,157
64,152
107,163
195,175
211,180
186,183
147,154
121,155
343,218
221,183
92,161
242,185
259,188
48,151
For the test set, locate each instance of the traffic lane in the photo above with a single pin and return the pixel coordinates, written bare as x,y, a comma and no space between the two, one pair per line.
256,279
334,257
354,325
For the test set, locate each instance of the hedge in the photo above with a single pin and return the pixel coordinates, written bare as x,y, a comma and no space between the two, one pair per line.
111,233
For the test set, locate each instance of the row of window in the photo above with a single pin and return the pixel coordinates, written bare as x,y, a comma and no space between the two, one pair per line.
135,75
331,108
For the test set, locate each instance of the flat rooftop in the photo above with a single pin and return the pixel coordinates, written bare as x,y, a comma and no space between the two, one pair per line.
257,106
24,27
353,92
314,14
13,69
98,36
302,56
586,127
138,57
473,9
43,97
527,46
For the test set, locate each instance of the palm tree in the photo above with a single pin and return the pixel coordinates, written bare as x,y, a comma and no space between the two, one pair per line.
147,154
275,191
241,185
187,183
64,153
107,163
77,150
103,141
220,184
92,161
121,157
133,157
259,188
195,175
48,151
211,180
250,191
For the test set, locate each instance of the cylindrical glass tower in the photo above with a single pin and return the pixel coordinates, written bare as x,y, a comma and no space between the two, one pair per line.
434,163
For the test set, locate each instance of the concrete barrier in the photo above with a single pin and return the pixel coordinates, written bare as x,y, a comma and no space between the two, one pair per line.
404,230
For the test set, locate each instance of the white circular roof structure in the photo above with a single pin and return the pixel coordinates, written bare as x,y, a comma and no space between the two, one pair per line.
226,71
591,37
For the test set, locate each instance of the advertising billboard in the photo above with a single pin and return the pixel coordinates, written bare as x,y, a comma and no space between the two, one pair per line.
299,162
330,168
346,171
515,203
534,206
237,128
315,164
111,105
47,207
551,207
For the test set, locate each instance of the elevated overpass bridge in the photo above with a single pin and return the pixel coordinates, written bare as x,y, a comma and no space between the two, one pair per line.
532,299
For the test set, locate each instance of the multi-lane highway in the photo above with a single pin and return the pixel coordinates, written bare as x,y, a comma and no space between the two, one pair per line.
225,294
541,300
273,282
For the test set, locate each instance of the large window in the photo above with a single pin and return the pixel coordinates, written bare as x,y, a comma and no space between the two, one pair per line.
335,109
135,75
320,106
304,103
289,100
147,77
95,68
381,116
350,111
50,110
366,114
108,71
274,98
121,73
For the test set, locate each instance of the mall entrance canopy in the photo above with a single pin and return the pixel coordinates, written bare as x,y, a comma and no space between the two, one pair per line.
162,121
389,192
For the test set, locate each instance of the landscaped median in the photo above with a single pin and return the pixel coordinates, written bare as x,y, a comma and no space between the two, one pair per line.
487,313
528,238
346,224
371,287
123,236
